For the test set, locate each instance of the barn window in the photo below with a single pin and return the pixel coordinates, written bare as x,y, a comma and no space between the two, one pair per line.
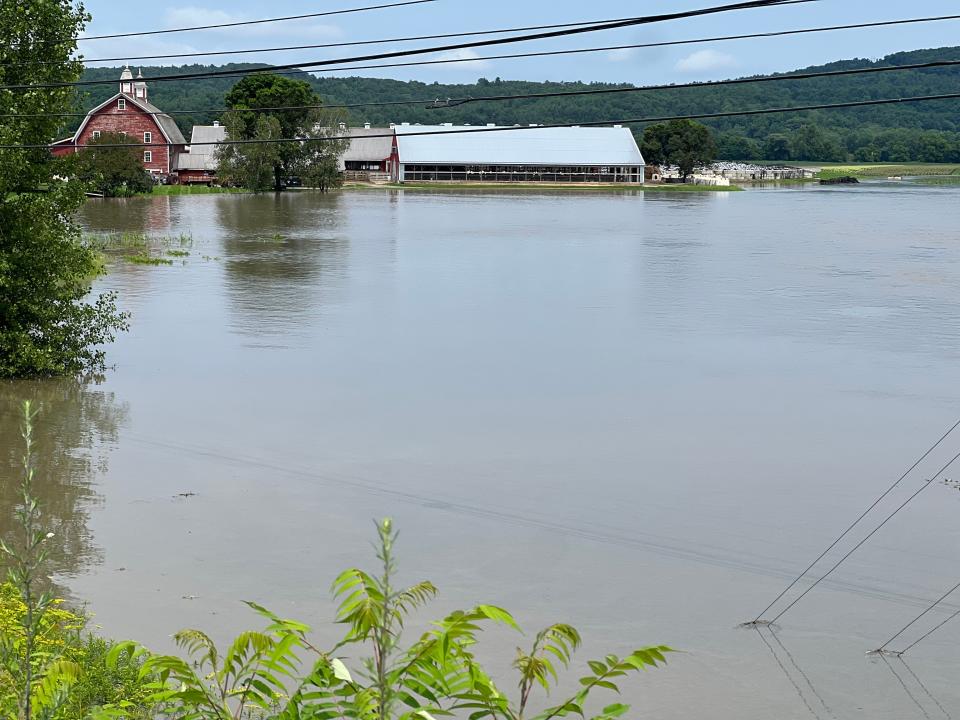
147,156
121,104
148,138
96,134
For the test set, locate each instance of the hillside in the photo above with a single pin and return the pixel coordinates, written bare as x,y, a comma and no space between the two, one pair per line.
928,132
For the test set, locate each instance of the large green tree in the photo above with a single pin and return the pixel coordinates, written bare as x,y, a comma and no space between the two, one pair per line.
49,325
684,143
313,158
111,169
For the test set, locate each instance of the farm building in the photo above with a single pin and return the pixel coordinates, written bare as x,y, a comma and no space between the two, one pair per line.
198,163
130,112
528,154
371,156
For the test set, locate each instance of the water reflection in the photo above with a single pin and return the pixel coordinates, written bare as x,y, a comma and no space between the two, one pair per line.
812,700
152,215
73,434
280,269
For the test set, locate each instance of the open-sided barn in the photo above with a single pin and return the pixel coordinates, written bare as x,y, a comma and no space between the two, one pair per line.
445,153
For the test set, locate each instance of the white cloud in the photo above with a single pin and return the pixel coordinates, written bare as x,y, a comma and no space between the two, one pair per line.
464,56
622,55
706,61
305,30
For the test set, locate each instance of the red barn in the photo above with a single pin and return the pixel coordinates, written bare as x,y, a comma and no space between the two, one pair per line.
129,112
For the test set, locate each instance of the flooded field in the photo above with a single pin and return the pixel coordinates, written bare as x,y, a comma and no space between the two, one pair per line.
641,414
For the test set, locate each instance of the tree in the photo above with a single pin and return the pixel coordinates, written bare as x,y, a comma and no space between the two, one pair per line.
48,323
684,143
246,164
777,147
113,171
812,143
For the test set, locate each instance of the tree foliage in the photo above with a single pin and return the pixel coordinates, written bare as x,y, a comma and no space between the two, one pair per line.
684,143
113,171
260,674
265,164
47,324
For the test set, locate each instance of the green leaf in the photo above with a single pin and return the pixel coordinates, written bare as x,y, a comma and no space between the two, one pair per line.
340,671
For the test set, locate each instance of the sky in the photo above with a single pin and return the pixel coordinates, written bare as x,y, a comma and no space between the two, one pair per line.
707,61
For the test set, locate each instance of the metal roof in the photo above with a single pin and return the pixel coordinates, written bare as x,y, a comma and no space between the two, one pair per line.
202,157
166,123
567,146
367,149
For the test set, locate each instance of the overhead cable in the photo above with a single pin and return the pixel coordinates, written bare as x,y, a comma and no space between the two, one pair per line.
860,519
860,544
520,128
883,648
453,102
414,38
633,22
239,23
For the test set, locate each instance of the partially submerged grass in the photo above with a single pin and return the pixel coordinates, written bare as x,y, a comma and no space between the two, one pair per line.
147,260
140,248
195,190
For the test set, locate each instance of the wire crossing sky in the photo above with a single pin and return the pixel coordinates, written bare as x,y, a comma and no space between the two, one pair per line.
649,65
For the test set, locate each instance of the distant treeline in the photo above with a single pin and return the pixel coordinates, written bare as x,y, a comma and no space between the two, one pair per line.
917,132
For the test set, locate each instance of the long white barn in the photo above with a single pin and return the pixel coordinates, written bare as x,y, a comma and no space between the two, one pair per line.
444,153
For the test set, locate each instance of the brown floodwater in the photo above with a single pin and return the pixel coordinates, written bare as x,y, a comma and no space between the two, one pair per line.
641,414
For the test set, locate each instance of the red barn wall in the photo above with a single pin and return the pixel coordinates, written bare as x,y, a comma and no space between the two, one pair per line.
134,122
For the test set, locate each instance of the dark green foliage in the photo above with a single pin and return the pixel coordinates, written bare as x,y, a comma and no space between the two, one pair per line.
47,327
928,132
684,143
262,166
113,171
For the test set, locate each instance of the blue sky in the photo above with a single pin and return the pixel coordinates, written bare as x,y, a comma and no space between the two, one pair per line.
674,64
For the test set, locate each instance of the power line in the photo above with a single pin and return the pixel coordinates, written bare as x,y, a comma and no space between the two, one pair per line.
517,128
860,544
255,22
633,22
929,633
453,102
354,43
918,618
669,43
858,520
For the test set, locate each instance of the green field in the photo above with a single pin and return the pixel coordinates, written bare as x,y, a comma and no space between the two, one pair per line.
883,170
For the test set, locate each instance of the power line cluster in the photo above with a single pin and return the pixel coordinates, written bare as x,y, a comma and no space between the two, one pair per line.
531,33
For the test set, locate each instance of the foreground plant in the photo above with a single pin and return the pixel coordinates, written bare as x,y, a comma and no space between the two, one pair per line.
35,669
260,675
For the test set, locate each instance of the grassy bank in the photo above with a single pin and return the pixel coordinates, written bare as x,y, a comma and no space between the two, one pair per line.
884,170
538,187
194,190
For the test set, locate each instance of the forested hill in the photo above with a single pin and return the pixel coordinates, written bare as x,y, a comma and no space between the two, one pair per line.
910,131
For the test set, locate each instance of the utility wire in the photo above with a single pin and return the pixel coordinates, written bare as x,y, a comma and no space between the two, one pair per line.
929,633
918,618
519,128
306,16
633,22
454,102
858,520
354,43
668,43
860,544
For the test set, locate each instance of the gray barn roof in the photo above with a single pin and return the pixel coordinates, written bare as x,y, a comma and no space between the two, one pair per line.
570,146
202,157
167,123
367,149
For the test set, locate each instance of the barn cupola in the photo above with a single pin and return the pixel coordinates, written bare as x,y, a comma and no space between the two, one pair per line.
140,87
126,81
